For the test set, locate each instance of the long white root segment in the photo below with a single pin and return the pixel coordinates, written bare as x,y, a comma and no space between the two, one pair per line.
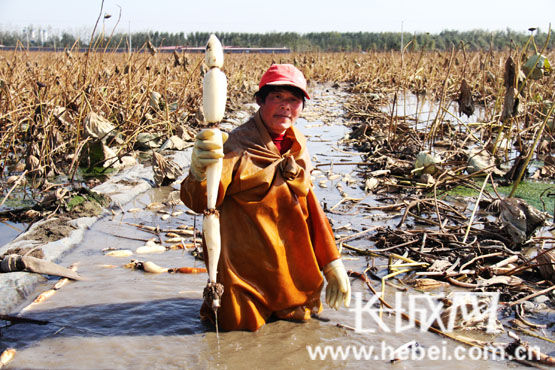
214,96
211,222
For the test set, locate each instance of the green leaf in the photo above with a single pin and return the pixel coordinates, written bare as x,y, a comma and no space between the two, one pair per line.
539,65
75,201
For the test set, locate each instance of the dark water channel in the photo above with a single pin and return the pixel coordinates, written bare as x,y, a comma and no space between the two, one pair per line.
121,318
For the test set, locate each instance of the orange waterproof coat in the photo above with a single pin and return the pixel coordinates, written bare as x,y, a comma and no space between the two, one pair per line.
275,236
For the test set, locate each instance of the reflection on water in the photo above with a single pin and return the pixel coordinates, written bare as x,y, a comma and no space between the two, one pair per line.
421,111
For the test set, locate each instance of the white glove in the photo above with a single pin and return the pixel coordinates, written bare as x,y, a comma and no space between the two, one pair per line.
339,286
207,150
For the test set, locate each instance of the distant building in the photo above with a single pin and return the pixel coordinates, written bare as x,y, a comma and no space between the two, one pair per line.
163,49
227,49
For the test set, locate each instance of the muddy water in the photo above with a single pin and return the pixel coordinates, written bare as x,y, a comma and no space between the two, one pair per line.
119,318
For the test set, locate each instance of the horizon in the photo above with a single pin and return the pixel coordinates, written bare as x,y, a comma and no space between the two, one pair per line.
244,16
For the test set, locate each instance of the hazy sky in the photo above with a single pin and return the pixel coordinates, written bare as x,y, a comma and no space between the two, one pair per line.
280,15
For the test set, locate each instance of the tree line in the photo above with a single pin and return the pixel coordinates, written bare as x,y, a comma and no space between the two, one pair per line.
313,41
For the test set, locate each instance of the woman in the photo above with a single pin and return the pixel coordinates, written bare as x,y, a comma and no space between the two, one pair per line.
275,236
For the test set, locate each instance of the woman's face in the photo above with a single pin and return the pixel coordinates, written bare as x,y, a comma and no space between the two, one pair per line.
280,110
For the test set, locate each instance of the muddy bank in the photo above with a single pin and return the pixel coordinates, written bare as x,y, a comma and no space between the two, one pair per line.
57,236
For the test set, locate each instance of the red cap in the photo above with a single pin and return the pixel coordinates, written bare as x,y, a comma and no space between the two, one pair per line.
284,74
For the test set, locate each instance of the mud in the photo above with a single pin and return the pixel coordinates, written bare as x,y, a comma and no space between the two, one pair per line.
51,230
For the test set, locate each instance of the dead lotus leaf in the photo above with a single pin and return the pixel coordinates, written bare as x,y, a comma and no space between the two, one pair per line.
429,284
156,101
519,219
174,143
503,280
546,265
165,170
478,319
427,162
439,266
466,104
482,160
371,184
97,126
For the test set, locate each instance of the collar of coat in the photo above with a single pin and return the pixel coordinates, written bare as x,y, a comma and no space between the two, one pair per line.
253,139
299,140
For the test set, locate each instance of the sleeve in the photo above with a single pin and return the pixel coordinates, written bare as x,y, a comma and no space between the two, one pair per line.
323,240
193,193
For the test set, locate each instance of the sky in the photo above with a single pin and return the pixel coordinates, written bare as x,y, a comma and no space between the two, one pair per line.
301,16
